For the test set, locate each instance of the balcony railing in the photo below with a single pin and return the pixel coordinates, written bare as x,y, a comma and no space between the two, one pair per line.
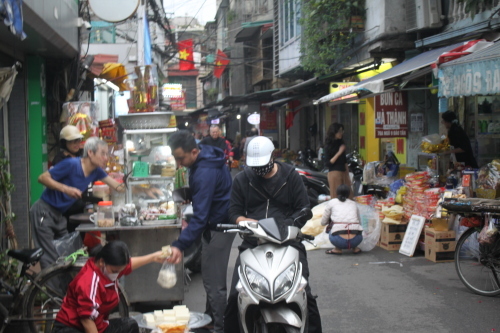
457,12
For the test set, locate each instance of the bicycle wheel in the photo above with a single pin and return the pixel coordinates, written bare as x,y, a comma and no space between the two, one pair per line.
478,266
44,299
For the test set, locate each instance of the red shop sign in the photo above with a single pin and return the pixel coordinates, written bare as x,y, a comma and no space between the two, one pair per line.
391,115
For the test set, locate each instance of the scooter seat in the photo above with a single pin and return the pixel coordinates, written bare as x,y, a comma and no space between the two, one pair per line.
26,255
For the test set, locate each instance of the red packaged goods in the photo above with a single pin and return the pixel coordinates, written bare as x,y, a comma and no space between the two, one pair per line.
107,123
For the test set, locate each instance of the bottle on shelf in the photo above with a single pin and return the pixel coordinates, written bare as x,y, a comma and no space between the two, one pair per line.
491,127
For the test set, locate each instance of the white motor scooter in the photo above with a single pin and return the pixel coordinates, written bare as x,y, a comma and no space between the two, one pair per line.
271,288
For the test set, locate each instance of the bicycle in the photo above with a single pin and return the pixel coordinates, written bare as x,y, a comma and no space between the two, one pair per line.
37,297
477,264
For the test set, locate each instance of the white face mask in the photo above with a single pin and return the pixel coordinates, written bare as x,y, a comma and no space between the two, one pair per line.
111,276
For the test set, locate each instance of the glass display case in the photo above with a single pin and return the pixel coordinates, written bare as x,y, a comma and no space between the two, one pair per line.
151,168
482,125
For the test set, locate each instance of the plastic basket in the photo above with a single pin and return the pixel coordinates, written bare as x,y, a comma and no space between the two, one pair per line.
145,120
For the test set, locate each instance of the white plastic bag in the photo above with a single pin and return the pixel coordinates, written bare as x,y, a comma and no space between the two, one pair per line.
167,278
369,220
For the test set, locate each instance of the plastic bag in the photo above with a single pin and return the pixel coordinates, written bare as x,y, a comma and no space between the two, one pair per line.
370,221
68,244
167,278
488,234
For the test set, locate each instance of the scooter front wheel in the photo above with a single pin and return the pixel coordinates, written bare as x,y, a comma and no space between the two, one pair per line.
262,327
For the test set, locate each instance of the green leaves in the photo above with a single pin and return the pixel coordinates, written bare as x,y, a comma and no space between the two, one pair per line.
472,6
327,32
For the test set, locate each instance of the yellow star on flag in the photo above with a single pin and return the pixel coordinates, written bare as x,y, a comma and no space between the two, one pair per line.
183,54
218,63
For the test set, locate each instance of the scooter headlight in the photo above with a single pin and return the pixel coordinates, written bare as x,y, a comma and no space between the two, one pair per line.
258,283
284,281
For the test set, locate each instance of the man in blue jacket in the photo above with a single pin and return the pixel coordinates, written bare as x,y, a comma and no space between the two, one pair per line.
210,183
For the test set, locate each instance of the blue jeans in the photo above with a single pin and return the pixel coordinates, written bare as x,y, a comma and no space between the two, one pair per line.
342,243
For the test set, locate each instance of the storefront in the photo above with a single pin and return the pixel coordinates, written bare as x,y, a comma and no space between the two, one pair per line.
471,87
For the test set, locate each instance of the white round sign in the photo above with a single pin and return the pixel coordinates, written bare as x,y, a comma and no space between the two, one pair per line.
254,119
114,10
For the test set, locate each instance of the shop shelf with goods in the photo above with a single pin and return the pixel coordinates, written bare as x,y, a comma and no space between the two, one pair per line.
151,165
482,124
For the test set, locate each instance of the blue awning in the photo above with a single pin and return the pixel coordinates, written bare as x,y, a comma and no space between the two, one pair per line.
475,74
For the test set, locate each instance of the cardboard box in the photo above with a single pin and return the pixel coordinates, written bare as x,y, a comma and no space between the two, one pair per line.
440,245
392,232
440,224
391,236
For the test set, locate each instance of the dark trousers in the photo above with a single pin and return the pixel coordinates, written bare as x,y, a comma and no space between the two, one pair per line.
116,325
231,316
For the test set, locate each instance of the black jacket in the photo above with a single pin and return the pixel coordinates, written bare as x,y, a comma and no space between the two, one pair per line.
249,198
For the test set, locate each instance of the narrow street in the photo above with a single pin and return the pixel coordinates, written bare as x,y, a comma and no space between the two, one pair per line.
382,291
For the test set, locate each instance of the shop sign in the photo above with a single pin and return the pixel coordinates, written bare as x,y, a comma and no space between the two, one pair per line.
178,103
254,119
336,86
391,115
268,119
171,90
475,78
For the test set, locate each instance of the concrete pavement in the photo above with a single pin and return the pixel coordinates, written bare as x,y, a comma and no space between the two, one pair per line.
381,291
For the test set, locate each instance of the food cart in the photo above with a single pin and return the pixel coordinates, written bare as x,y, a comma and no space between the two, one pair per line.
149,219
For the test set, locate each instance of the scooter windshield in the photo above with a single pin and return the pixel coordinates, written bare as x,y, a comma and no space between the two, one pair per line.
275,228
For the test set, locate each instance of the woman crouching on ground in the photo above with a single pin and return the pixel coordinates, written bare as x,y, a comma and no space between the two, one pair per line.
94,292
346,232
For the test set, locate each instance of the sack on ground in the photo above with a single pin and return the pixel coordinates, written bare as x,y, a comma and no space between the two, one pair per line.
167,278
313,227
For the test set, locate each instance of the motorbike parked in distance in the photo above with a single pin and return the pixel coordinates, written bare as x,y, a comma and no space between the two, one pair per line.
355,165
271,288
316,183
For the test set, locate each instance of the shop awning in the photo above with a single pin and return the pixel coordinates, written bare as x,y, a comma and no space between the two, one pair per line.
407,70
249,30
474,74
278,102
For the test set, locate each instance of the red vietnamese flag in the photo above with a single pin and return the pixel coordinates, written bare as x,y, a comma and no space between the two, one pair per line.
186,62
221,61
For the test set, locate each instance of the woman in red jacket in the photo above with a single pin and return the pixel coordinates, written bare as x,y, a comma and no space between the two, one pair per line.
94,292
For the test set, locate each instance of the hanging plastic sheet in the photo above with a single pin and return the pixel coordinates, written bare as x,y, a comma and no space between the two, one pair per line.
7,78
12,13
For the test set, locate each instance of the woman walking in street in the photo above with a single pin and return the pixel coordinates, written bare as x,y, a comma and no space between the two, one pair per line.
336,161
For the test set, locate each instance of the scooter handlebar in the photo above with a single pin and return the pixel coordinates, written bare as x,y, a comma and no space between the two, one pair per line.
228,226
308,237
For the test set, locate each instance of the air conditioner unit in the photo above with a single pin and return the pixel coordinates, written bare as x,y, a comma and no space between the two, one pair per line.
423,14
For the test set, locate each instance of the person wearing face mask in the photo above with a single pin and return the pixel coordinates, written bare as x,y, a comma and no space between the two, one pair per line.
267,188
93,293
210,186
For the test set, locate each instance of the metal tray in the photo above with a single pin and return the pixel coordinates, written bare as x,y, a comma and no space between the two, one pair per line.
158,222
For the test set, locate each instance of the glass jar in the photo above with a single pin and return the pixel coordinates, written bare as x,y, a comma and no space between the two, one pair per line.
105,216
101,190
118,198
